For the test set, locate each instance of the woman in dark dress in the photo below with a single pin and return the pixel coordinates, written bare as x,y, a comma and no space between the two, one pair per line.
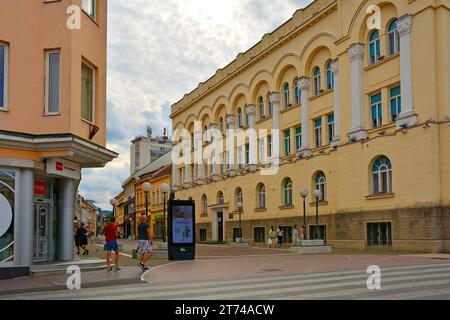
82,238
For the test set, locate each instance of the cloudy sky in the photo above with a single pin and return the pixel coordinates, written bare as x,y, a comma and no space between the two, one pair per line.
159,50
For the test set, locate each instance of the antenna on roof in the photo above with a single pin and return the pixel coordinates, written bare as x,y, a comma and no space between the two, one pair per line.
149,131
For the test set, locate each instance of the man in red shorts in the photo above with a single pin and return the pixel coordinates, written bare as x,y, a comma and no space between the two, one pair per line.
111,233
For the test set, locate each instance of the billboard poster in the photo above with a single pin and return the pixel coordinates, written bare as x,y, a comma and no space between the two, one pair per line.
182,224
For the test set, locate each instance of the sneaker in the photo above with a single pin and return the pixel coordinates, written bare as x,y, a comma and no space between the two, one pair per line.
117,268
109,269
141,265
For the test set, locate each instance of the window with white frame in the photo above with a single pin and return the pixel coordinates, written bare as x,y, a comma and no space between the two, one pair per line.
330,79
382,176
87,92
286,92
393,38
318,132
376,110
287,192
261,107
241,157
3,75
287,142
320,183
269,146
317,81
330,127
239,117
52,82
374,47
261,196
297,92
298,138
90,7
396,102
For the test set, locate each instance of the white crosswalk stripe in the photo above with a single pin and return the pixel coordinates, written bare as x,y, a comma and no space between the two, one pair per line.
410,282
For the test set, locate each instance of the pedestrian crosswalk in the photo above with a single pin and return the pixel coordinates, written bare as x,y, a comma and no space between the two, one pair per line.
408,282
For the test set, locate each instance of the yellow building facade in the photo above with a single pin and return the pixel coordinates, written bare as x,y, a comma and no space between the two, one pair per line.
363,116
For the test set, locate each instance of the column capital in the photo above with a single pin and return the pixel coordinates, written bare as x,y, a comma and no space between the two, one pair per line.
356,51
404,25
230,119
335,66
274,97
304,83
250,109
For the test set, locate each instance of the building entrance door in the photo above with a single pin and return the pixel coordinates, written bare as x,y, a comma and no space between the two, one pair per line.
220,226
41,231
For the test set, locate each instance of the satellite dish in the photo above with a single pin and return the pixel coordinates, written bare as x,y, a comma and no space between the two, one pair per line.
5,215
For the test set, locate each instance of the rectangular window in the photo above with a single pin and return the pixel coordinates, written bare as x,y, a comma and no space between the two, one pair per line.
287,234
247,153
259,234
269,146
379,234
376,109
3,75
236,234
52,82
330,128
87,92
261,150
203,235
298,138
222,165
318,132
320,233
287,142
90,7
240,157
396,103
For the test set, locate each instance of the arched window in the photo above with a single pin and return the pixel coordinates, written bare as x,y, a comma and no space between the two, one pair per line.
220,197
204,204
261,107
393,38
297,92
239,117
287,192
374,47
221,125
261,190
320,183
239,196
286,93
247,123
270,104
382,176
330,82
317,81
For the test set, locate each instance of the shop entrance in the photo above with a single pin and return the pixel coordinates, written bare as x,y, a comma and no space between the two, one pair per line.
41,231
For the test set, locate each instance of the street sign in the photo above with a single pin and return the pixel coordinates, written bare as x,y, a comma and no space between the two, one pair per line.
181,231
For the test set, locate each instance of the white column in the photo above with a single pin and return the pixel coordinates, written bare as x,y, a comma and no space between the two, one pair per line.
407,117
337,104
215,135
356,55
198,146
174,177
231,145
26,218
275,101
66,216
305,150
251,112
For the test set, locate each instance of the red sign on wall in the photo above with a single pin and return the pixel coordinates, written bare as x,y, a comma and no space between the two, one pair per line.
40,188
59,166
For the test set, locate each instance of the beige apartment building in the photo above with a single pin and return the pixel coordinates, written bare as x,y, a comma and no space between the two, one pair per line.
52,121
363,115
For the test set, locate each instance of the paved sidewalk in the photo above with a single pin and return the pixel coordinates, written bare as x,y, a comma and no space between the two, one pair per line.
280,265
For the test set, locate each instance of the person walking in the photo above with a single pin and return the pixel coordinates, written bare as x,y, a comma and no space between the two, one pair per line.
145,246
272,237
83,239
75,236
111,232
280,237
295,236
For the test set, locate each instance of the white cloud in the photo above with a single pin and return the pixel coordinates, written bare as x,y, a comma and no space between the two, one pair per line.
159,50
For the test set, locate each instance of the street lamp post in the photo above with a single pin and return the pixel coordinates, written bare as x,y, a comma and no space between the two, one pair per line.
165,189
146,187
304,193
317,195
240,206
